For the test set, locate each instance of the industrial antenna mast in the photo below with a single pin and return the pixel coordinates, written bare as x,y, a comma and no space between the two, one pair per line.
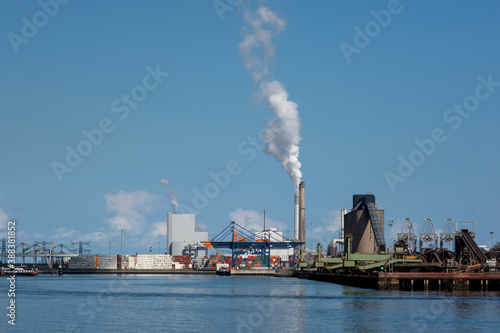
80,246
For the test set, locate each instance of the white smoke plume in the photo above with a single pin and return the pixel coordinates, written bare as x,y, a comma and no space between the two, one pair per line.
171,194
282,133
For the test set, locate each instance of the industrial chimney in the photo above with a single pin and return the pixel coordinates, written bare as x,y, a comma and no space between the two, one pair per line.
296,217
302,213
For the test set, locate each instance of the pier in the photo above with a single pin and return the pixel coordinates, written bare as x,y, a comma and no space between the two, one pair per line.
439,281
409,281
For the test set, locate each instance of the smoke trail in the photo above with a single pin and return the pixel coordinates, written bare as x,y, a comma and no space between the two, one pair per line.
282,133
171,194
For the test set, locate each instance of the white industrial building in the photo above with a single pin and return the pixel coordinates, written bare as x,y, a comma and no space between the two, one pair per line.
184,236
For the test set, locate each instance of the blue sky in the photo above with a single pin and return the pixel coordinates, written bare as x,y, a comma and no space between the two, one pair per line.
359,113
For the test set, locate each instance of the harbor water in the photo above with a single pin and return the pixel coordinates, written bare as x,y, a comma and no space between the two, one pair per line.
208,303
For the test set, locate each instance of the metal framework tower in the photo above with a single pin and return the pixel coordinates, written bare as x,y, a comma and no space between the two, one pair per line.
80,246
47,251
408,235
428,236
340,242
391,223
447,237
42,247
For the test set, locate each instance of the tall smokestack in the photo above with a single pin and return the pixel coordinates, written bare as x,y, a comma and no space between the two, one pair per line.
296,217
343,212
302,213
169,232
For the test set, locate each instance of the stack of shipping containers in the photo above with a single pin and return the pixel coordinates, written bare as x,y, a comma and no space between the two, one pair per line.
83,261
162,261
218,259
108,261
132,261
123,261
245,261
165,261
181,262
113,261
153,261
257,261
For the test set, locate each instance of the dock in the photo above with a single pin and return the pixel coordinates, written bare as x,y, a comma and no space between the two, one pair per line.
253,272
439,281
409,281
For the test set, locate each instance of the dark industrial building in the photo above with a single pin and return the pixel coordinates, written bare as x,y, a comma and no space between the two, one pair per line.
365,222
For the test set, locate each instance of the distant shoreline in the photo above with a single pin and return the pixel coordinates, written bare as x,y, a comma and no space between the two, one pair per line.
125,271
249,272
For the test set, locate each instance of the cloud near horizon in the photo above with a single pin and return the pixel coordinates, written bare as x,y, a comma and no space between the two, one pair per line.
254,220
3,218
129,210
326,231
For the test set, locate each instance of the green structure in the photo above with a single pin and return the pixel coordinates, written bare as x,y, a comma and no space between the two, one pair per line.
358,261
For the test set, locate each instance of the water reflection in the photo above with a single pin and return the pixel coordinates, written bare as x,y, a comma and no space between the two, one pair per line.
245,304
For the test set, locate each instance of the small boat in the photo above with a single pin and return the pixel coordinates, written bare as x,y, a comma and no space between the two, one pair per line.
19,271
223,272
223,269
